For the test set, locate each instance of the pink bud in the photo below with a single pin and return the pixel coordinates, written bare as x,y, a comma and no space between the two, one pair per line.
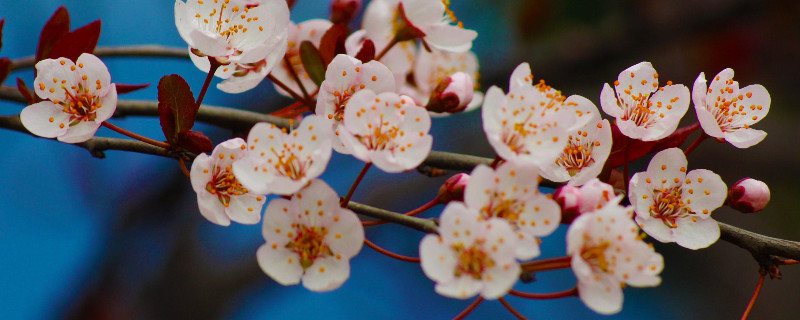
452,94
569,198
343,11
453,188
748,195
596,194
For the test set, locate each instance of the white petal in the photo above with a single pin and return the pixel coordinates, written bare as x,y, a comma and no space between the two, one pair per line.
703,181
245,209
459,288
527,246
94,70
36,118
696,235
745,138
450,38
656,228
326,274
54,76
699,92
201,173
639,79
212,209
708,123
521,78
437,260
346,235
499,279
278,221
79,132
608,101
280,264
603,298
108,105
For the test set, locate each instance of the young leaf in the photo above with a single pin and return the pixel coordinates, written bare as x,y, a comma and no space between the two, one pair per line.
53,30
5,69
637,148
367,51
2,22
195,141
23,89
312,61
71,45
125,88
176,107
332,42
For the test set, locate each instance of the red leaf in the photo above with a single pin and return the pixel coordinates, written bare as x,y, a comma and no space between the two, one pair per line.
176,106
332,42
54,29
23,89
125,88
5,69
638,148
195,141
2,22
71,45
367,51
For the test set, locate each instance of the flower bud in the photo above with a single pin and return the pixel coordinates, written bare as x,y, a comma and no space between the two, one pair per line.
453,188
452,94
748,195
569,198
595,195
343,11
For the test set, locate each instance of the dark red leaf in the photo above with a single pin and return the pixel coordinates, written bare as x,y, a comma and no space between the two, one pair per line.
71,45
676,139
638,148
53,30
176,106
195,141
125,88
332,42
23,89
2,22
312,62
367,51
5,69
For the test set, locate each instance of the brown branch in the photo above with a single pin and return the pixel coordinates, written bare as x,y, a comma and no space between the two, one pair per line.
760,246
122,51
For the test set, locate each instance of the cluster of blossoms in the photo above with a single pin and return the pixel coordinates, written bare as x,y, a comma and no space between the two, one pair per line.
380,112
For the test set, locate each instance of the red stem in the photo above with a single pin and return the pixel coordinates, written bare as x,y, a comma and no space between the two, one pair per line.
788,262
389,253
511,309
386,49
469,309
421,209
287,89
183,168
547,264
136,136
625,174
296,78
755,295
543,296
696,143
360,176
495,162
213,69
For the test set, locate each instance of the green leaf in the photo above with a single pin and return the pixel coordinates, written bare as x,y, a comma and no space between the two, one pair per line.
312,61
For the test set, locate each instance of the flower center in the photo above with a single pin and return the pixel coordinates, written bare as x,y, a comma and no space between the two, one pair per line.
503,208
731,113
472,261
340,99
668,206
81,106
578,154
309,243
291,166
595,256
243,69
382,137
640,112
224,185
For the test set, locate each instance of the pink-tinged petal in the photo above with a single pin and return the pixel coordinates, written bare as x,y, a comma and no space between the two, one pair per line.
407,157
377,17
527,246
695,235
326,274
639,79
79,132
351,234
665,167
585,111
241,84
608,101
641,193
575,235
632,130
602,297
108,105
201,172
358,113
639,265
315,140
280,264
342,71
449,38
278,222
437,259
377,77
756,100
600,152
459,288
97,77
423,12
209,44
521,78
500,239
541,217
184,17
582,270
459,224
53,75
212,209
245,209
708,123
227,152
655,228
670,104
284,185
719,85
499,279
36,119
745,138
704,191
249,172
204,65
353,146
480,187
699,91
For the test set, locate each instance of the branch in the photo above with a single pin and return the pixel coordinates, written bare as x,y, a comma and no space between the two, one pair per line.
760,246
123,51
424,225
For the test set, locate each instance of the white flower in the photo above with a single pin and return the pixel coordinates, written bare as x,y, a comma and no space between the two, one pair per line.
311,238
606,252
220,196
511,193
281,162
431,68
384,18
642,109
674,206
240,77
584,156
231,31
344,77
311,30
470,255
386,129
727,112
78,98
399,59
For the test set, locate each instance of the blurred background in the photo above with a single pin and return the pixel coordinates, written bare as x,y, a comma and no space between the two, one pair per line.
122,238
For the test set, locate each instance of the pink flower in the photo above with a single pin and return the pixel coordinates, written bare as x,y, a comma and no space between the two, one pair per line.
727,112
511,193
399,59
346,76
311,30
282,163
432,74
454,94
748,195
386,129
470,255
642,109
78,98
232,31
606,252
673,205
310,238
220,196
453,188
586,152
592,196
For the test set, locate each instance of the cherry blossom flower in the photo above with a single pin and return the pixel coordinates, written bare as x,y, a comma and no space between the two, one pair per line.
644,110
312,31
748,195
511,193
429,20
470,255
344,77
281,162
453,94
591,196
240,77
78,98
432,68
606,252
310,238
584,156
232,31
220,196
399,59
386,129
675,206
727,112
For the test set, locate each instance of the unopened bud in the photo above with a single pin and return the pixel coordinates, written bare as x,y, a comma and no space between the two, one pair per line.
452,94
596,194
453,188
569,199
343,11
748,195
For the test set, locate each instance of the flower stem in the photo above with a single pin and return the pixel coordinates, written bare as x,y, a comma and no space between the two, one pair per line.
469,309
625,174
136,136
389,253
386,49
283,86
360,176
296,78
696,143
213,69
183,168
495,162
543,296
288,110
511,309
421,209
547,264
788,262
760,283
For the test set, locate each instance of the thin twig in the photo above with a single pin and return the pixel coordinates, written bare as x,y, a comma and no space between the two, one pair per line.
390,254
545,296
511,309
761,276
353,187
421,209
123,51
469,309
